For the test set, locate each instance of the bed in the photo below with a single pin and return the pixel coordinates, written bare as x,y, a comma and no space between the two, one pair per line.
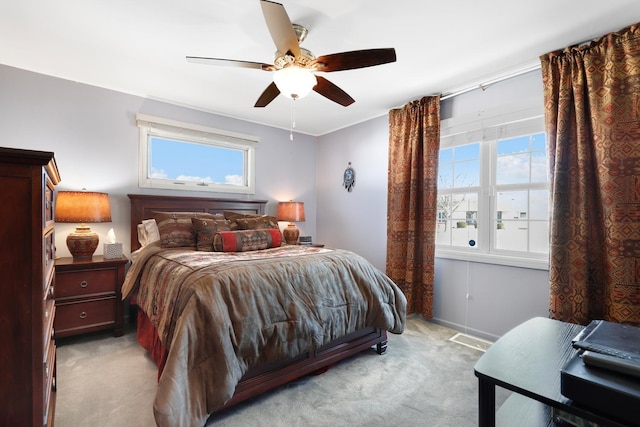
199,326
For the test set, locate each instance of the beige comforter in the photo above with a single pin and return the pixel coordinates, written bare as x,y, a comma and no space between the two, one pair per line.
220,314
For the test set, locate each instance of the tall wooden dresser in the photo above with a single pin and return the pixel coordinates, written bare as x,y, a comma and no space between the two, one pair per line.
27,278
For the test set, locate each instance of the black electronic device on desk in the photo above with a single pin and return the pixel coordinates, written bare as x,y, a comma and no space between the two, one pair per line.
605,374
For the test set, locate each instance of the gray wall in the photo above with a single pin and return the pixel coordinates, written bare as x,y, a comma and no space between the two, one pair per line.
355,220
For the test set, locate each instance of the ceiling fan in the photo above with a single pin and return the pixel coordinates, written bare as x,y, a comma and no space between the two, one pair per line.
295,67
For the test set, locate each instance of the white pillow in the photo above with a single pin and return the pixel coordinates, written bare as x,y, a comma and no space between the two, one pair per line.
148,232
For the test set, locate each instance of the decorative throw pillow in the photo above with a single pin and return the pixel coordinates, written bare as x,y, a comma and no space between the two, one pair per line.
231,215
251,221
246,240
256,223
176,229
205,229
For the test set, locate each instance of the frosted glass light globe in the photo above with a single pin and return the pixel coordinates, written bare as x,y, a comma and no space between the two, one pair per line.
294,82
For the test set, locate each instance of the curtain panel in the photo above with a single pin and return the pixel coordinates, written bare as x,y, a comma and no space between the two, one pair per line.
414,144
592,118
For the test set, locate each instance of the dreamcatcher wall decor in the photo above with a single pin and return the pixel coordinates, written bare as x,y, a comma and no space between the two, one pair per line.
349,178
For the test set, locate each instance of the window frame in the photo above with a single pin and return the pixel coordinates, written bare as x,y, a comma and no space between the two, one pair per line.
488,131
151,126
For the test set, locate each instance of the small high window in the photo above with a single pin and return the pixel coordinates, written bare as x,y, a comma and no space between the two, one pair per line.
177,155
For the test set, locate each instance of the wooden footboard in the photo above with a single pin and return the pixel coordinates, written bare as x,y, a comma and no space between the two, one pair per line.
258,381
269,376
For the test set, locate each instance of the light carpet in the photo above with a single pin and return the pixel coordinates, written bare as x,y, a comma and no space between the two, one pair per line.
423,380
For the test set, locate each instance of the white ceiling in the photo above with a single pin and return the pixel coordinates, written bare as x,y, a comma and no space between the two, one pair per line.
139,47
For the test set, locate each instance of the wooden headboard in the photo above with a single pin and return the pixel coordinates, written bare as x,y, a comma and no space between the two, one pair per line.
142,206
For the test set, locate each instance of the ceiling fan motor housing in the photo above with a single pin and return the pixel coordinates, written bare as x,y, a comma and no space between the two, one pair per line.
281,61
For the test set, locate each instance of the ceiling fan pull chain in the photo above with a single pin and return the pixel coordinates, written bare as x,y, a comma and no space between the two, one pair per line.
293,117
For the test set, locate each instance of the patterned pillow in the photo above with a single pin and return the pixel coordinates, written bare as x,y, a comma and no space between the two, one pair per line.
251,221
205,229
176,229
256,223
246,240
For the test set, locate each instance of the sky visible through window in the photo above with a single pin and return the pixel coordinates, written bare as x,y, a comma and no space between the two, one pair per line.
187,161
520,160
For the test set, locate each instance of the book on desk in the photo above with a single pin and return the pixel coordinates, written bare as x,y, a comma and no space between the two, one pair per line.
605,373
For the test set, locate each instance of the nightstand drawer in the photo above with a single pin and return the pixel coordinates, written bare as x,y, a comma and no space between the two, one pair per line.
84,316
85,282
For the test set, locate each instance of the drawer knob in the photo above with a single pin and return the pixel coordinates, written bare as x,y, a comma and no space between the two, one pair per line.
84,284
52,292
83,315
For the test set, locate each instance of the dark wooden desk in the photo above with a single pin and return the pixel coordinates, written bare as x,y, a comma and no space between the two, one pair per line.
527,360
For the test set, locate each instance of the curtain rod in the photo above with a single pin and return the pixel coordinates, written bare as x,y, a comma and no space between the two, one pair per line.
483,86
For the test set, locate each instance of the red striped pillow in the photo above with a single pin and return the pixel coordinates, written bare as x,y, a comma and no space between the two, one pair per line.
246,240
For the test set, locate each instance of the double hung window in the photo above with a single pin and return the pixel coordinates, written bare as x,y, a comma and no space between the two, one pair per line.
493,193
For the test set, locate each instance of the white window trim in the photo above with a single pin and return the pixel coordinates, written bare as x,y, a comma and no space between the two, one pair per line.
493,258
168,128
489,126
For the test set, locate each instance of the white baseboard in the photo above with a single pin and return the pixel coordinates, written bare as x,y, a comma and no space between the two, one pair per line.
470,331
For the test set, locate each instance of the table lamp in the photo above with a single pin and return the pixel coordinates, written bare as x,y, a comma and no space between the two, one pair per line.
82,207
293,212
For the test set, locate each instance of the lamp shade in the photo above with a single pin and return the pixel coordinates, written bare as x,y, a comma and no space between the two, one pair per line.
82,207
291,211
294,82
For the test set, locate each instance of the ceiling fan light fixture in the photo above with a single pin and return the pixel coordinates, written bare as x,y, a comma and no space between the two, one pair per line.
294,82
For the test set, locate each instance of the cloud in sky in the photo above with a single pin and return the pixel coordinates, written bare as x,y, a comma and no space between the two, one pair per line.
234,180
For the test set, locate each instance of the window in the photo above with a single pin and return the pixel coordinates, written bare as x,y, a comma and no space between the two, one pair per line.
177,155
493,194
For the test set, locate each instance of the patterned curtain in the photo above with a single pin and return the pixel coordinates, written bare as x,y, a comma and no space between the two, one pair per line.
592,115
414,143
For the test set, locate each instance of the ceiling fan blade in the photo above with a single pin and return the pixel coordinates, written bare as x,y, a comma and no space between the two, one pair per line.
332,92
230,63
280,28
354,59
268,95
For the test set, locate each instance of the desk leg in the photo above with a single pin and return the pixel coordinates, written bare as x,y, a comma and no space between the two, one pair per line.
486,403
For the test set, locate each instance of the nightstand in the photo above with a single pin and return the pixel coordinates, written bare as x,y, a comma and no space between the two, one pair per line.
88,295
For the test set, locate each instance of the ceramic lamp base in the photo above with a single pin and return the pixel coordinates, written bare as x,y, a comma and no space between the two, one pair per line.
82,243
291,234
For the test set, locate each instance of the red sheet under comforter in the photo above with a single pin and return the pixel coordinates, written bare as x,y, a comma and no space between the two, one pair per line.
221,314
